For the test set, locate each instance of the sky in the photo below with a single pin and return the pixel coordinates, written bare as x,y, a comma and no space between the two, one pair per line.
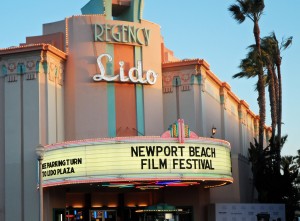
201,29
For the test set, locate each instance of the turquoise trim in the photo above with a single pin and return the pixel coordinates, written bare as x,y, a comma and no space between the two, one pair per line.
134,13
111,110
222,99
139,93
108,9
45,67
98,7
141,9
37,67
192,79
4,70
176,81
21,68
199,79
93,7
111,98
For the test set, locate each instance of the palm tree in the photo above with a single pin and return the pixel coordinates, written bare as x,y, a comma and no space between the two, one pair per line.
253,9
276,52
273,59
267,46
250,68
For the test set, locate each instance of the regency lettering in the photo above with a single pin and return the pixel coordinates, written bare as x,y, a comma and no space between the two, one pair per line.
121,34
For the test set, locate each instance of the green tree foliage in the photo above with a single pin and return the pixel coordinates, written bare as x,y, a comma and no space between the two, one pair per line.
274,187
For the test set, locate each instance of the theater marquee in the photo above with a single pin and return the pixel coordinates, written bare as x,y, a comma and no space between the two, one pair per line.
116,161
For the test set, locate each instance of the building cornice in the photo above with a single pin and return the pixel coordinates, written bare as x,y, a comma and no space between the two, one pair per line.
33,47
185,62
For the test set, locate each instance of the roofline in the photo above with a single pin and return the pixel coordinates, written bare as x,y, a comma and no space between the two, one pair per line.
231,94
185,62
33,47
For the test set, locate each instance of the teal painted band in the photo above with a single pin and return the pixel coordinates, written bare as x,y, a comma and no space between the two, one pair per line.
200,79
108,9
134,13
98,7
111,110
37,67
176,81
21,68
139,94
45,67
140,110
4,70
93,7
111,98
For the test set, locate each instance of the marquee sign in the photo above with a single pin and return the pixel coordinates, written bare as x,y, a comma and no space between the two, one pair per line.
142,160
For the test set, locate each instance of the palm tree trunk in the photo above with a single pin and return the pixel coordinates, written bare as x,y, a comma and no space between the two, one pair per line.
261,89
262,111
279,121
273,102
256,32
276,86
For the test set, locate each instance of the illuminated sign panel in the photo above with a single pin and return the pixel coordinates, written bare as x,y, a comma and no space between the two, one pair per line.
136,161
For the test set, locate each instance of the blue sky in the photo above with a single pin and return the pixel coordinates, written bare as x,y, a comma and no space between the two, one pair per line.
192,29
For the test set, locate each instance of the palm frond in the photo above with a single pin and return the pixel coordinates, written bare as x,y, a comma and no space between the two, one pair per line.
257,6
237,13
286,43
245,6
272,35
243,74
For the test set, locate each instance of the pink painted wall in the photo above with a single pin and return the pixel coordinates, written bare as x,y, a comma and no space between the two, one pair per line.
125,93
153,97
86,110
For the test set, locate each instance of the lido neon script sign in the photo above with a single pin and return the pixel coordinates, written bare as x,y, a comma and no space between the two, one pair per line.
135,74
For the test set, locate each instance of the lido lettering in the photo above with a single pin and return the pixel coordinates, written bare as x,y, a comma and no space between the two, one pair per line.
135,74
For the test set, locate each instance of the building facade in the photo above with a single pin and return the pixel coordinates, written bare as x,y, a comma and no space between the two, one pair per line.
96,85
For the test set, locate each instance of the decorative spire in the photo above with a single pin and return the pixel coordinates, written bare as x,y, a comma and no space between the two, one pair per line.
179,130
124,10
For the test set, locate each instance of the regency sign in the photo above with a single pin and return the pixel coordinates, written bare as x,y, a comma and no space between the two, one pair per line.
121,34
135,74
136,161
